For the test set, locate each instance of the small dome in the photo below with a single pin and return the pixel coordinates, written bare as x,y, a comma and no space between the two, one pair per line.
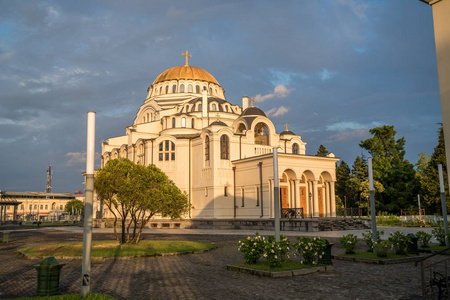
219,123
253,111
185,72
287,132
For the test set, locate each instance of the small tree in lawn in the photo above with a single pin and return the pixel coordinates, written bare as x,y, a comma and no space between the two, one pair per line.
75,205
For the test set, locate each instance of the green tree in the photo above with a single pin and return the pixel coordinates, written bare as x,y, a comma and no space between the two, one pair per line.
75,206
322,151
422,164
342,181
396,174
139,193
430,180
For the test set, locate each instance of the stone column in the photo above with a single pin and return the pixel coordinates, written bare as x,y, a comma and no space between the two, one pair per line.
15,213
333,199
315,184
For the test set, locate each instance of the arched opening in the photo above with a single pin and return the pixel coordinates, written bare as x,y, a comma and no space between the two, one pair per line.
207,148
213,107
166,151
190,88
295,148
197,89
182,88
261,134
174,88
183,122
167,89
241,128
173,122
192,123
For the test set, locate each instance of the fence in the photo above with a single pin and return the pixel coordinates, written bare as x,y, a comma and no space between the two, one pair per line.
292,213
351,212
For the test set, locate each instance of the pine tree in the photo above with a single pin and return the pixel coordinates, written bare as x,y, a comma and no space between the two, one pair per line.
430,182
322,151
342,180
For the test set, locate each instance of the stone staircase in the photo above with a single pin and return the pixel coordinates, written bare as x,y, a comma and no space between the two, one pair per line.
332,224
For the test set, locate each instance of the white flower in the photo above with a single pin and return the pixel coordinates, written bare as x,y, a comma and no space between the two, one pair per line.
276,257
272,251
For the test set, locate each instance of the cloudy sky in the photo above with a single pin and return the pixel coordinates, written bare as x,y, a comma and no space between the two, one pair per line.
331,69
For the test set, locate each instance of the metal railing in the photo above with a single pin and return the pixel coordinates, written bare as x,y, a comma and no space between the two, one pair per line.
351,212
435,277
292,213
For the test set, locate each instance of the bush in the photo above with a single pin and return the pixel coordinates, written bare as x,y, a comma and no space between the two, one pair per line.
424,239
349,242
252,248
399,242
276,252
385,219
311,249
439,234
367,236
382,248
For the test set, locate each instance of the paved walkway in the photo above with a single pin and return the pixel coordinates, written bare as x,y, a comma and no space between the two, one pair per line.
202,276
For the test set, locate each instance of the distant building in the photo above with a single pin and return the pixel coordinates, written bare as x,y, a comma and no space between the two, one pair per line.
220,153
33,205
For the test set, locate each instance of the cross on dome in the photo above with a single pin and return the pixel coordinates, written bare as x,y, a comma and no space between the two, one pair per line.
252,100
287,126
187,55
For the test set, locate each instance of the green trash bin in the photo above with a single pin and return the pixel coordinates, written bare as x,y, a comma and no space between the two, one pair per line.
412,246
48,277
326,258
5,237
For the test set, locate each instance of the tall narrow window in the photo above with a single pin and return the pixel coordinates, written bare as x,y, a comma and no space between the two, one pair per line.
192,123
213,107
257,196
182,88
224,147
242,194
210,91
174,88
183,122
207,148
167,89
190,88
225,192
200,107
261,134
295,149
160,90
173,122
197,89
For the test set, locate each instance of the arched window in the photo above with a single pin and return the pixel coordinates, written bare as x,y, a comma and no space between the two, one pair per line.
210,91
197,89
173,122
200,107
207,148
215,92
213,107
182,88
261,134
295,149
241,128
160,90
192,123
174,88
190,88
166,151
167,89
224,147
183,122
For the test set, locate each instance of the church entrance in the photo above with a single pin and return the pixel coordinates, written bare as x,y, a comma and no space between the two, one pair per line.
284,197
303,200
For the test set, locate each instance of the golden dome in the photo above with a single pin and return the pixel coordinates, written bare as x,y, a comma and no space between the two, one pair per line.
185,72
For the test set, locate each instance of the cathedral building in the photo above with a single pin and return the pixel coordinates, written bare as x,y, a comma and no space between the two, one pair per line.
220,153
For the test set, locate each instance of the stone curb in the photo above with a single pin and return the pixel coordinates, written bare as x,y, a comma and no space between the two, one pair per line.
118,257
375,261
281,274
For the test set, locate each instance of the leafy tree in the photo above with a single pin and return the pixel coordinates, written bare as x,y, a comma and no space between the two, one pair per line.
396,174
138,192
74,206
422,164
430,180
322,151
342,181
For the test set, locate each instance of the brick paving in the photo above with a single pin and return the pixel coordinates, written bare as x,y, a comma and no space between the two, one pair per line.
200,276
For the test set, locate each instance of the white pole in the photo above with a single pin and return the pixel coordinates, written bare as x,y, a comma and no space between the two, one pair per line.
89,191
372,201
276,194
444,204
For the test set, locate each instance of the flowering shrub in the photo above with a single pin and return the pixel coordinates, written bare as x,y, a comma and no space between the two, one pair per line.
424,239
349,242
252,248
382,248
311,249
439,234
399,242
367,236
276,252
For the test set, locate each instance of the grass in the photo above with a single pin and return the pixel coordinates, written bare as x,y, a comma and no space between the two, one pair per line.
286,266
49,224
111,249
434,248
372,255
71,297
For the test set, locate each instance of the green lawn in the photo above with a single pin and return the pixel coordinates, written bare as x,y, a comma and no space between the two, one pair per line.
287,266
111,249
71,297
372,255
